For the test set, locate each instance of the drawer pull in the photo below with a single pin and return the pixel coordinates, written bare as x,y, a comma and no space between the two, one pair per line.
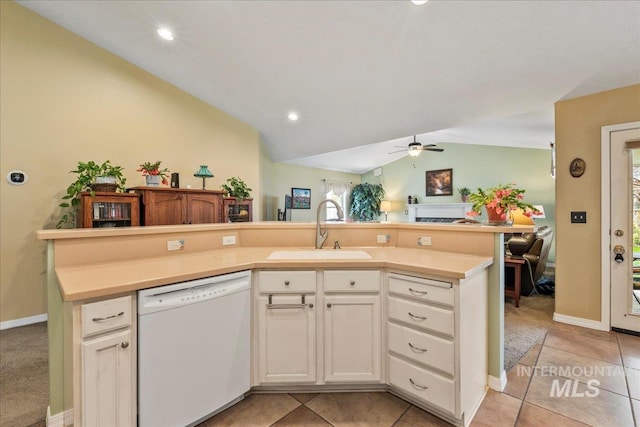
286,283
124,344
421,350
413,291
423,387
352,283
329,305
284,306
102,319
413,316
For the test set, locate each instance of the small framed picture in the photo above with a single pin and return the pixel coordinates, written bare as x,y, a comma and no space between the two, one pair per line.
300,198
439,182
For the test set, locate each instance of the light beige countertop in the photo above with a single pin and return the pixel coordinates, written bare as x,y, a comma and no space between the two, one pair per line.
112,278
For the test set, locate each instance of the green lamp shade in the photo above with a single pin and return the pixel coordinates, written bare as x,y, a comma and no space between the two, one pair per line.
203,172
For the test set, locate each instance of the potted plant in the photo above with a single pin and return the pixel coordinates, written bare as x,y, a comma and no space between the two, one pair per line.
464,194
498,202
236,187
153,174
365,201
91,177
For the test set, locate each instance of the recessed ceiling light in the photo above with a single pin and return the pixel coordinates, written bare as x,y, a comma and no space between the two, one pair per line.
165,33
293,116
419,2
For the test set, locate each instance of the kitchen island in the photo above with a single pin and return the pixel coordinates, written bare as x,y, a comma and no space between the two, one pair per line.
88,266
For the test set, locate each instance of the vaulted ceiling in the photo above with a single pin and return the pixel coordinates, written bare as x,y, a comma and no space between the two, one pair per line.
364,76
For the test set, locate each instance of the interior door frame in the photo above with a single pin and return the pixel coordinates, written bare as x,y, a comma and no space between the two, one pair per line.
605,227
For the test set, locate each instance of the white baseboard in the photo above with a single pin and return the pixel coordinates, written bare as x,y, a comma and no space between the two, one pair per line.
497,384
579,321
8,324
61,419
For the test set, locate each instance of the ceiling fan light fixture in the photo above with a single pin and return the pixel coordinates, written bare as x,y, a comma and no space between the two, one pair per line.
415,148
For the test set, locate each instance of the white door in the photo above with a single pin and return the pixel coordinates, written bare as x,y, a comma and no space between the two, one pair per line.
352,327
625,228
107,383
286,339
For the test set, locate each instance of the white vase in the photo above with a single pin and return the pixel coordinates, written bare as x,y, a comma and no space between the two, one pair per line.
153,180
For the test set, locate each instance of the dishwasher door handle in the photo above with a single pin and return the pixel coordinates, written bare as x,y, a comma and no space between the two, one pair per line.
285,306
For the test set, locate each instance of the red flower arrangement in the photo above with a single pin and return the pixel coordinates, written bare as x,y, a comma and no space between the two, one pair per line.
153,169
502,199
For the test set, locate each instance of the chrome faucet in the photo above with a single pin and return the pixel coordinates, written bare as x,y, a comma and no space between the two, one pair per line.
321,235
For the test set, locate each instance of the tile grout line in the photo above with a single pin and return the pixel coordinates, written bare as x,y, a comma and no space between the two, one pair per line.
535,363
634,417
402,415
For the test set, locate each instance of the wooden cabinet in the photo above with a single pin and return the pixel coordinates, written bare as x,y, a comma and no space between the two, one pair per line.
107,368
437,343
286,327
352,326
170,206
234,210
108,210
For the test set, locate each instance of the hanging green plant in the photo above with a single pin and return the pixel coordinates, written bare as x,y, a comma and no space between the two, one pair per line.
365,201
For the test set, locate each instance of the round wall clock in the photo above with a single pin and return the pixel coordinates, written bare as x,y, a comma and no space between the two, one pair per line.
577,167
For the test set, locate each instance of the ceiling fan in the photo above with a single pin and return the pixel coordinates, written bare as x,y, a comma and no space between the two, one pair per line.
415,148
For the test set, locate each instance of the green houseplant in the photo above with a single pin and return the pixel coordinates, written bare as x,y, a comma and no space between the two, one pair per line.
153,173
464,193
236,187
86,176
365,201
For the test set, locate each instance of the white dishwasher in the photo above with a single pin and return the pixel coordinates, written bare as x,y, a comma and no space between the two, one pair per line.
193,349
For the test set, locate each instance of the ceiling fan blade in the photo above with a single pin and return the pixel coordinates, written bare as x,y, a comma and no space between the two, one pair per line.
428,145
440,150
398,151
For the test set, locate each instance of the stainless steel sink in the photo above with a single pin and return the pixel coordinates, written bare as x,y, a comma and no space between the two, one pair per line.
319,254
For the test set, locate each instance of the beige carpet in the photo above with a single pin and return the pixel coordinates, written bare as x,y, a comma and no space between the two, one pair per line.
525,326
24,375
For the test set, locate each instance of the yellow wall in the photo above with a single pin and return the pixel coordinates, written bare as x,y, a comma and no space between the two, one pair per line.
63,99
578,125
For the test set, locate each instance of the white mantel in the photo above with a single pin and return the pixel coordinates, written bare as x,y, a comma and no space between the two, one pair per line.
438,211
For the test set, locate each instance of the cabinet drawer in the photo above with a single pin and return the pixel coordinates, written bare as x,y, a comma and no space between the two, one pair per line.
351,281
422,347
424,289
422,384
106,315
421,315
287,281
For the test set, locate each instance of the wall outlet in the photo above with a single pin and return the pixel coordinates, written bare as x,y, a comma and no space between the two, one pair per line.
228,240
175,245
383,238
424,241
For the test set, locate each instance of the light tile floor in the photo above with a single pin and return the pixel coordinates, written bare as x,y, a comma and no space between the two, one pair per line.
600,373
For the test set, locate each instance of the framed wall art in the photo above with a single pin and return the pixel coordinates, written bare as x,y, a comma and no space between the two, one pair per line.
300,198
439,182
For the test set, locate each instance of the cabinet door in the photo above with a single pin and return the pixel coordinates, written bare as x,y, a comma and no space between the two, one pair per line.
165,208
107,383
286,340
352,328
204,208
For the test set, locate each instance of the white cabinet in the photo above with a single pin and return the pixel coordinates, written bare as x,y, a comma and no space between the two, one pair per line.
105,363
287,339
437,343
352,326
352,349
106,385
286,324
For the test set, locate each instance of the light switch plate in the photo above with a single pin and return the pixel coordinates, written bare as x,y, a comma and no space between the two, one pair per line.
175,245
383,238
424,241
228,240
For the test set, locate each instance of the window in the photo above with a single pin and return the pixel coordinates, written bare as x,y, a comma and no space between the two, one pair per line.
331,211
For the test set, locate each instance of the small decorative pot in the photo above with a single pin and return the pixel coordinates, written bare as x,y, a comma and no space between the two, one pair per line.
153,180
496,218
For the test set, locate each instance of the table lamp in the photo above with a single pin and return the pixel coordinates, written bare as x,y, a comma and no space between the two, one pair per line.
385,206
203,173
